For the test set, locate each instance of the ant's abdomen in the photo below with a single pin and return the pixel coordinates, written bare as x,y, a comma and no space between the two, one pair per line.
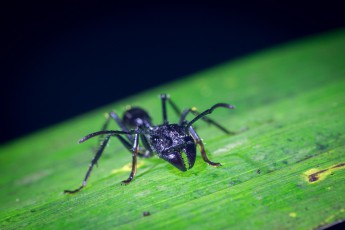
136,116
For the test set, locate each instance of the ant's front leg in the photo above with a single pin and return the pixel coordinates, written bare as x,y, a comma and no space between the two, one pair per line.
202,148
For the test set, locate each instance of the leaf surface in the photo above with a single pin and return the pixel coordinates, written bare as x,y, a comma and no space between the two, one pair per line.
285,169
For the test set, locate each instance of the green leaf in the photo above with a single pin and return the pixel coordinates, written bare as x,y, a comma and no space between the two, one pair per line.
285,169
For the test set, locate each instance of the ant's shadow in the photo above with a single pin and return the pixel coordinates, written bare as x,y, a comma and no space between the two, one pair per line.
156,163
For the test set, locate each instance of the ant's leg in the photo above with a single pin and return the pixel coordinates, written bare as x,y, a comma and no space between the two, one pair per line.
145,152
134,159
184,115
119,122
193,110
209,111
202,148
104,127
164,98
93,162
174,106
142,152
205,119
122,126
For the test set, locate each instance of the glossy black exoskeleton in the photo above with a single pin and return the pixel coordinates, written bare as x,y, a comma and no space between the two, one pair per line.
168,141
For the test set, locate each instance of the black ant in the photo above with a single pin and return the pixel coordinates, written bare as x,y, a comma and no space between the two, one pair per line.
167,140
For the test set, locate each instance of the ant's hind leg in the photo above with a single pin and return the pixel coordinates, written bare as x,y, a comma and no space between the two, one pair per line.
205,119
209,111
202,148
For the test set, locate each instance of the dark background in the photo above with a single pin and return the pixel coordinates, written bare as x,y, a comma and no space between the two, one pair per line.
60,60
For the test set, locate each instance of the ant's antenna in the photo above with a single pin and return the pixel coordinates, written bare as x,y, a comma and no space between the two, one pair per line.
110,132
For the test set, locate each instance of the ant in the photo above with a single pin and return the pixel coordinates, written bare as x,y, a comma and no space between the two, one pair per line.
167,140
